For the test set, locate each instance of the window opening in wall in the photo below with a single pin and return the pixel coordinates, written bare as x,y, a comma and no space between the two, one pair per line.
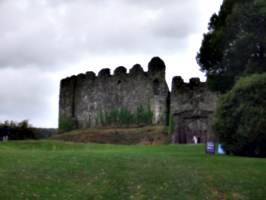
156,85
118,82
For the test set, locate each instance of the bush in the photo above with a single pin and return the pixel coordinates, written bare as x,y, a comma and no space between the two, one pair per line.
240,123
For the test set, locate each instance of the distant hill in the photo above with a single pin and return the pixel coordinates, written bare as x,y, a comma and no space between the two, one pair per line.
45,133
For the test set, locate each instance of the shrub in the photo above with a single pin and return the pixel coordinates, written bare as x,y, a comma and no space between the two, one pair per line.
125,117
240,123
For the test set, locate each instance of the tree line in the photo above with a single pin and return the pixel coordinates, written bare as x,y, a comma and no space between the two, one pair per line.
24,130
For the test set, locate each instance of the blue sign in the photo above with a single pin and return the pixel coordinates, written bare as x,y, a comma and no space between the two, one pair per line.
220,149
210,147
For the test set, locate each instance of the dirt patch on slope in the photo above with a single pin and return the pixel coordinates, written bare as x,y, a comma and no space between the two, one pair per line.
137,135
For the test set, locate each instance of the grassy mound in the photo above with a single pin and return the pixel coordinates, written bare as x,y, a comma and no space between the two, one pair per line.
130,135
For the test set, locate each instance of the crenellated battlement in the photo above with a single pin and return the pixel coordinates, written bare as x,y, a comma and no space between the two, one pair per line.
136,69
120,71
194,83
155,67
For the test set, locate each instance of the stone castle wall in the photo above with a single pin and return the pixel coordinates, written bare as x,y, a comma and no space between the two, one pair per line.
83,97
189,105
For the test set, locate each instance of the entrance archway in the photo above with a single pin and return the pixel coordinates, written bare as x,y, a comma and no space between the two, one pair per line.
198,128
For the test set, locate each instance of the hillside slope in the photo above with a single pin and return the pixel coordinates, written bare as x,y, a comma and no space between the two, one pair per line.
136,135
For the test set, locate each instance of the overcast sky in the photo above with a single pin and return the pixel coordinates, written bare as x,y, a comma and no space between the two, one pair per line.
43,41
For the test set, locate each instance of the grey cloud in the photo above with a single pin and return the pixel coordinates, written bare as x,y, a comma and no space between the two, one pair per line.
25,100
45,34
177,22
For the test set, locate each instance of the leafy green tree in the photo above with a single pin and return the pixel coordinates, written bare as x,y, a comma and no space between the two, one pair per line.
240,123
235,43
20,130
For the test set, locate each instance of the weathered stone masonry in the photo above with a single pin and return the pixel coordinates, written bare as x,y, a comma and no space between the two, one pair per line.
84,96
192,107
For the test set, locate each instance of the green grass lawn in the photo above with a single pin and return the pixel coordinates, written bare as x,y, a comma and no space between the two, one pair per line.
60,170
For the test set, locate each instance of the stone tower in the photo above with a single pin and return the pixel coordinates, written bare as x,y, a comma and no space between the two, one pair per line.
192,109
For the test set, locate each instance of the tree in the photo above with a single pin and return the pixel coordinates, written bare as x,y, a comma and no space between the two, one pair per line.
235,43
240,124
20,130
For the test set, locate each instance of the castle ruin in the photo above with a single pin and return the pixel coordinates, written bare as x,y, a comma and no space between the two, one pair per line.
86,100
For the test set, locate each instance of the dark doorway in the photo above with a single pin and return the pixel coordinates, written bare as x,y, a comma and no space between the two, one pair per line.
156,86
196,128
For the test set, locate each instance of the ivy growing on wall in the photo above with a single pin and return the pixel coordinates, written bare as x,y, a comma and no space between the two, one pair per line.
65,124
125,117
171,125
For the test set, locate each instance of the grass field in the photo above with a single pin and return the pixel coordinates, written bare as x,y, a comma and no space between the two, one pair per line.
60,170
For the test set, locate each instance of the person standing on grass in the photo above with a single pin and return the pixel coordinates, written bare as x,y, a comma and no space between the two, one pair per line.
195,139
5,132
151,140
